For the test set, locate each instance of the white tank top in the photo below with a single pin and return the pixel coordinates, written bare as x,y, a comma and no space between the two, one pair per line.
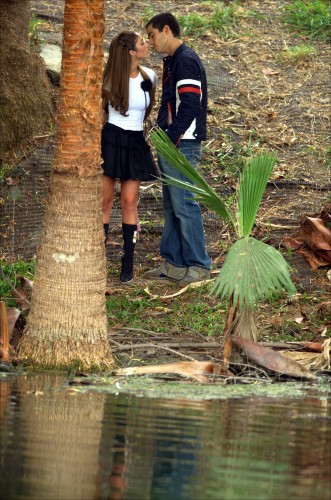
138,102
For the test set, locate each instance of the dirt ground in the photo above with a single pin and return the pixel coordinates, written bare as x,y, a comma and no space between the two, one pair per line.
257,100
260,100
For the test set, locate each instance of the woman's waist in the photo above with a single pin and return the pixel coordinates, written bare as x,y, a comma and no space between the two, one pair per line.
133,121
111,127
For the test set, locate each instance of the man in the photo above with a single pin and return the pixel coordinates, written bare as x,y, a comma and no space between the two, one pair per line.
182,115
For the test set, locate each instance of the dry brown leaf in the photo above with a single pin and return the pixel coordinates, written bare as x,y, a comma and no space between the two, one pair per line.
269,71
22,294
301,319
271,115
12,316
270,359
313,240
313,360
312,259
292,243
318,224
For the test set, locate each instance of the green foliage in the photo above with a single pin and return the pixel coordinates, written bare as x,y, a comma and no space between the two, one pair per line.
193,24
154,315
298,53
252,270
148,13
231,159
222,20
3,171
9,275
309,18
252,185
34,28
204,193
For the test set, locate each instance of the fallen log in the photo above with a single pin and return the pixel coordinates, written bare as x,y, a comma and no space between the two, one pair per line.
196,370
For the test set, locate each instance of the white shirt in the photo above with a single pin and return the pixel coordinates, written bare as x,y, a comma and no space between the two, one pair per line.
138,102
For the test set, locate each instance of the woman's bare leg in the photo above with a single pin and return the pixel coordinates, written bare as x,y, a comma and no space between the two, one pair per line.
129,201
108,185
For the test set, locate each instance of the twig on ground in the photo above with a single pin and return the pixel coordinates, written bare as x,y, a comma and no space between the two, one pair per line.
190,286
141,330
251,367
149,345
168,345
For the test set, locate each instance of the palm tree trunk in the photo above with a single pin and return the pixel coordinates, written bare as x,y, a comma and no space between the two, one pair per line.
240,322
67,322
26,94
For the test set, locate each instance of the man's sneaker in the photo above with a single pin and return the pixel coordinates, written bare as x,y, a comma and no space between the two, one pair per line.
195,274
166,271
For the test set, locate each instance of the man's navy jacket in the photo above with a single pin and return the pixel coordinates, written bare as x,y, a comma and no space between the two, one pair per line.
183,110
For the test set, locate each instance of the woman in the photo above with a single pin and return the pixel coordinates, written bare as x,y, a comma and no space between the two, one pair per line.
128,96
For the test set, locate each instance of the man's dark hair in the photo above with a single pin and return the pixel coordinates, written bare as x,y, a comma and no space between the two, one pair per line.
165,19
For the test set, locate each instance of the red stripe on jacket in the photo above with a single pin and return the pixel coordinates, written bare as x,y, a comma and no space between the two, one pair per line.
194,90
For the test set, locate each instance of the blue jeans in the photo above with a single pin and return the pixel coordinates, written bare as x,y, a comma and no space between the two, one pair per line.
183,240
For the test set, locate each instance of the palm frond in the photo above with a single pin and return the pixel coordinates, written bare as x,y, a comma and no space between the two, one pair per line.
204,193
253,271
215,203
252,185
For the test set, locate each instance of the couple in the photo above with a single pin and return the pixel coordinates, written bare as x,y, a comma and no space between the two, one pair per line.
128,96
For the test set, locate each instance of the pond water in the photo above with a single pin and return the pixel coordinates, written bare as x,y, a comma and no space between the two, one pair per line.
60,441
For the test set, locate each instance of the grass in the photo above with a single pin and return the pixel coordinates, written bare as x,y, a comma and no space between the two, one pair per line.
305,17
222,20
298,53
309,18
194,312
4,169
35,25
230,160
202,313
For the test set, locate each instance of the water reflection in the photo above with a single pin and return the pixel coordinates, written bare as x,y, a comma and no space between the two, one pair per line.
58,443
50,440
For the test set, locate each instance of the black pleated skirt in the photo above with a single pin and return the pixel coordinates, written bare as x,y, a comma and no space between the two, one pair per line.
126,155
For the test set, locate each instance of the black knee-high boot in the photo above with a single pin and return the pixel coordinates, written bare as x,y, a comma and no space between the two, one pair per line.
129,237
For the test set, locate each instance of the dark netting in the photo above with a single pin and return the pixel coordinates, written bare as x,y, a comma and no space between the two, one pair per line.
237,105
24,196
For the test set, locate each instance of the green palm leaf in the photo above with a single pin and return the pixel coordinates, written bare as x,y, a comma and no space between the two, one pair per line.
204,193
251,188
210,199
253,271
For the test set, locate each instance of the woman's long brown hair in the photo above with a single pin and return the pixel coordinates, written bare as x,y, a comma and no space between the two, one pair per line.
116,75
